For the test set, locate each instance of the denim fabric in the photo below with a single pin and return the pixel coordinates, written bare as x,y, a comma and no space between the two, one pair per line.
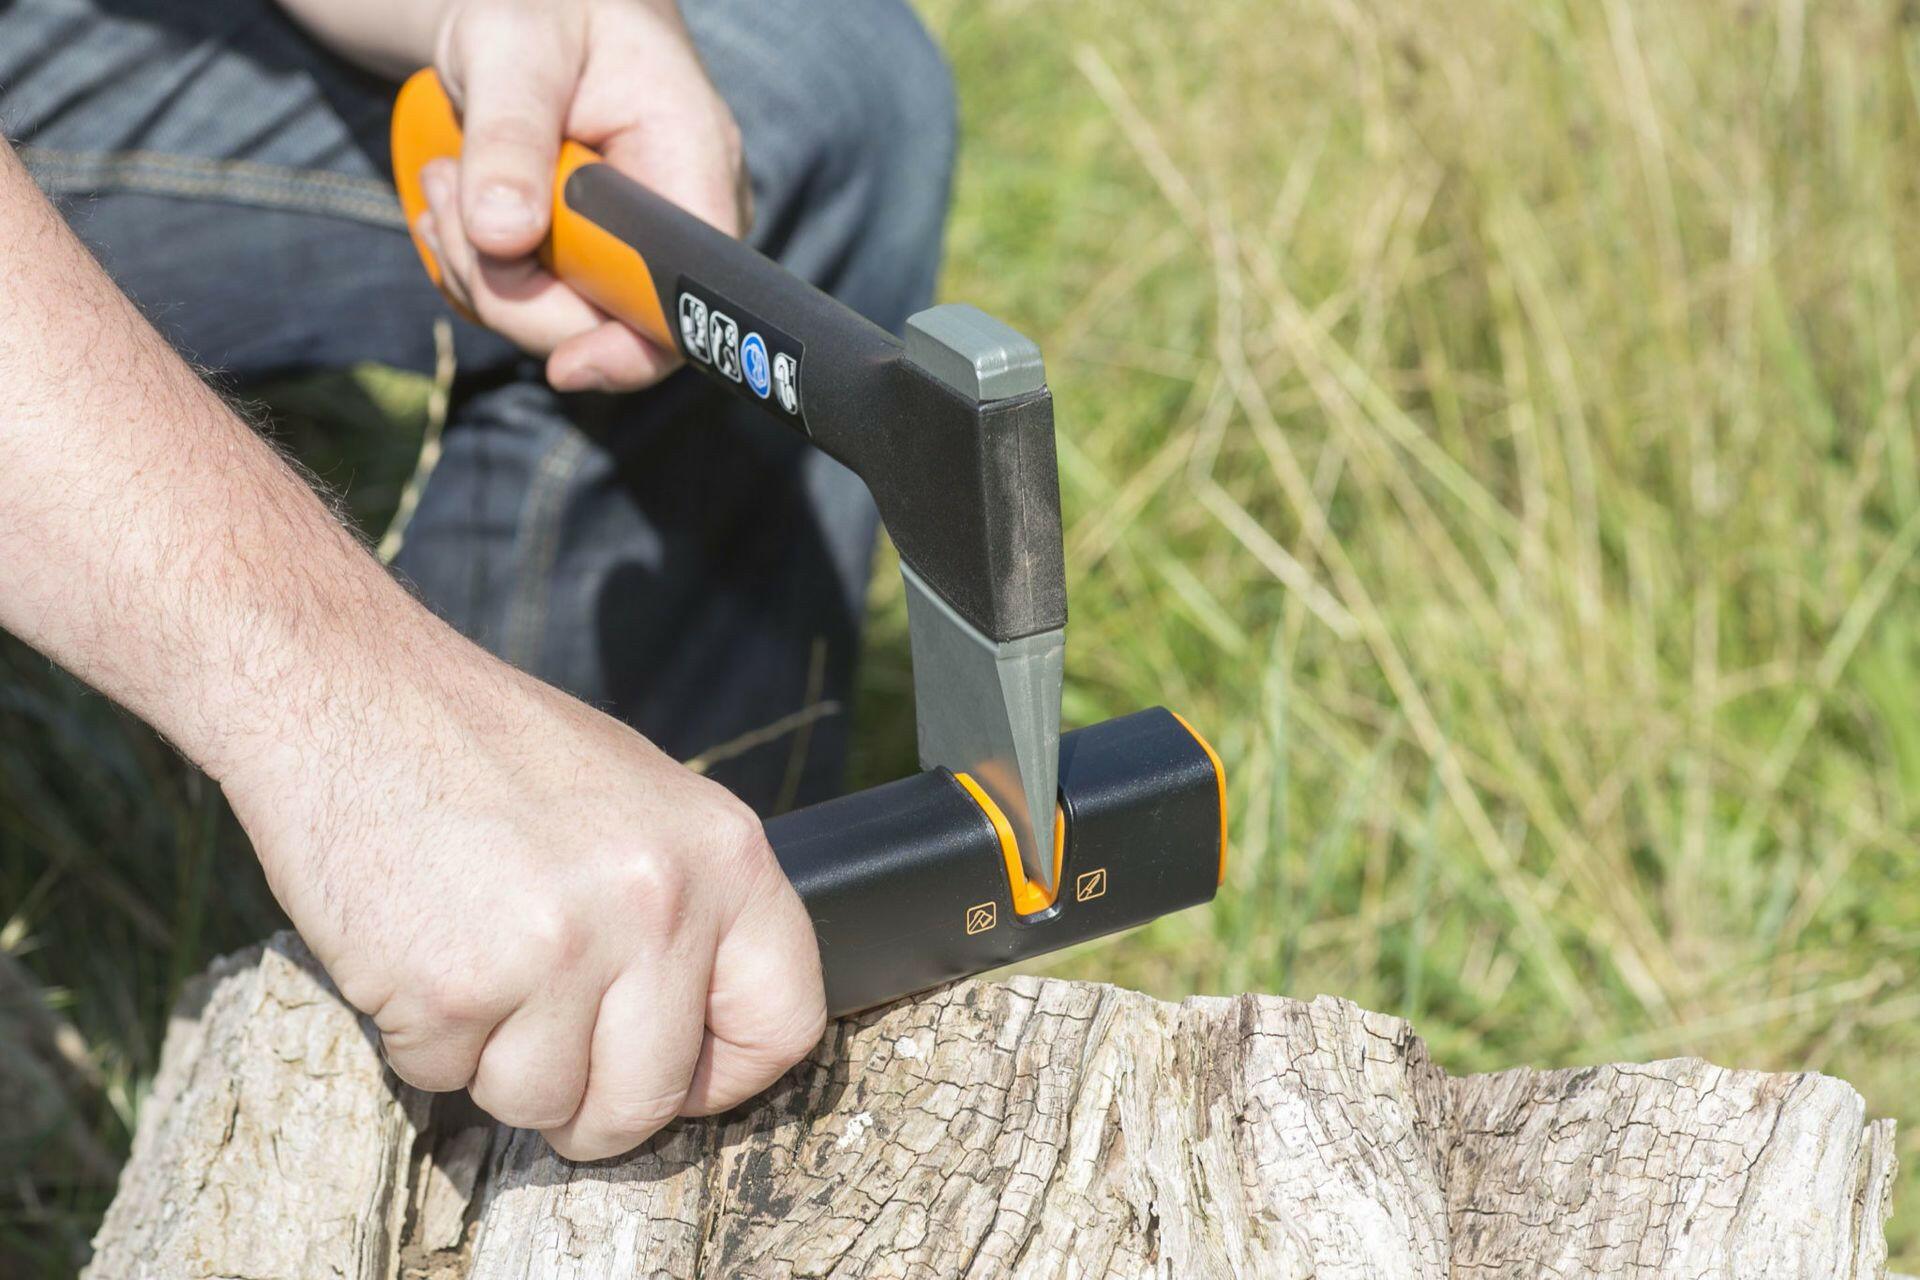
674,557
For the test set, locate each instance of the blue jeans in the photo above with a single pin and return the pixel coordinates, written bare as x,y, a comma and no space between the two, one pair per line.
674,557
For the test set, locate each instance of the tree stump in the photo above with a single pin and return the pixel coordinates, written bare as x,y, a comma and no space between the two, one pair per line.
1023,1128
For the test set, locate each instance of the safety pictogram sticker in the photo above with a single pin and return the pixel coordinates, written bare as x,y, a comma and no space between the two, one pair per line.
724,333
754,363
982,917
786,381
1090,885
744,348
693,326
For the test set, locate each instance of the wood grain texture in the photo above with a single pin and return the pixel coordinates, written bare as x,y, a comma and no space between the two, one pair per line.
1026,1128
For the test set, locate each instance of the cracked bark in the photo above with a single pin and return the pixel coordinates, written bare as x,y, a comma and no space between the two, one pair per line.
1026,1128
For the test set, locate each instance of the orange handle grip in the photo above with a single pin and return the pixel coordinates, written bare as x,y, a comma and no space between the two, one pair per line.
605,269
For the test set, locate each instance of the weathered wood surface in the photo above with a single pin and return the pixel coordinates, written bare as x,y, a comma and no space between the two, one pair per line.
1025,1128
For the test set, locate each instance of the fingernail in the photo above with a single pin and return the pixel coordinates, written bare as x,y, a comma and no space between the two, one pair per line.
427,233
438,186
503,211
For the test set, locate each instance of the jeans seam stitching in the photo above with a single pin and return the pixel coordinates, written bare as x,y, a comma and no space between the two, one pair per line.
540,526
240,181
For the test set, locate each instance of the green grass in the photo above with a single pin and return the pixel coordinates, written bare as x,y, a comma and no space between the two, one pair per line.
1493,422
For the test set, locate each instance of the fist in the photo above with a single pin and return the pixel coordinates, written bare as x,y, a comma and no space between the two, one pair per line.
621,76
535,904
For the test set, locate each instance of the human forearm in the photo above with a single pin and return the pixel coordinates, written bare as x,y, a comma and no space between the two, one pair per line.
388,37
148,539
529,899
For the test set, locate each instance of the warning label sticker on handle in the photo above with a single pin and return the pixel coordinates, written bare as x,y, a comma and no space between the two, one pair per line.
737,346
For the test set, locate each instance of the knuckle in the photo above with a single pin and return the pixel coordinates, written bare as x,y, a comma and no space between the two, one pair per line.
740,838
655,887
453,996
551,939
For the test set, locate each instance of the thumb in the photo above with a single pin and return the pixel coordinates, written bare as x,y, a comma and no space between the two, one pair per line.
514,81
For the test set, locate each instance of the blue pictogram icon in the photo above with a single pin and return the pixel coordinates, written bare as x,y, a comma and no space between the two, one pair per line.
753,362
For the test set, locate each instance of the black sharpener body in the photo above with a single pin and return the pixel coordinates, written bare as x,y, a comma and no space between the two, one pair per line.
909,885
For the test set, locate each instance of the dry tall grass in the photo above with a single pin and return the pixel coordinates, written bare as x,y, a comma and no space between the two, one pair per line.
1495,421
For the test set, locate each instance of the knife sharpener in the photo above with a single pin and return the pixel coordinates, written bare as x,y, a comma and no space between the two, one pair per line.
912,884
924,880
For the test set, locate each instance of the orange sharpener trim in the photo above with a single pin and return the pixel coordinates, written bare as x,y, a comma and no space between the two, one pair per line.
1220,782
1029,898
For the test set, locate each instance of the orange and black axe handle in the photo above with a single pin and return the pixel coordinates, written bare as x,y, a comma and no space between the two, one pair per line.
968,490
